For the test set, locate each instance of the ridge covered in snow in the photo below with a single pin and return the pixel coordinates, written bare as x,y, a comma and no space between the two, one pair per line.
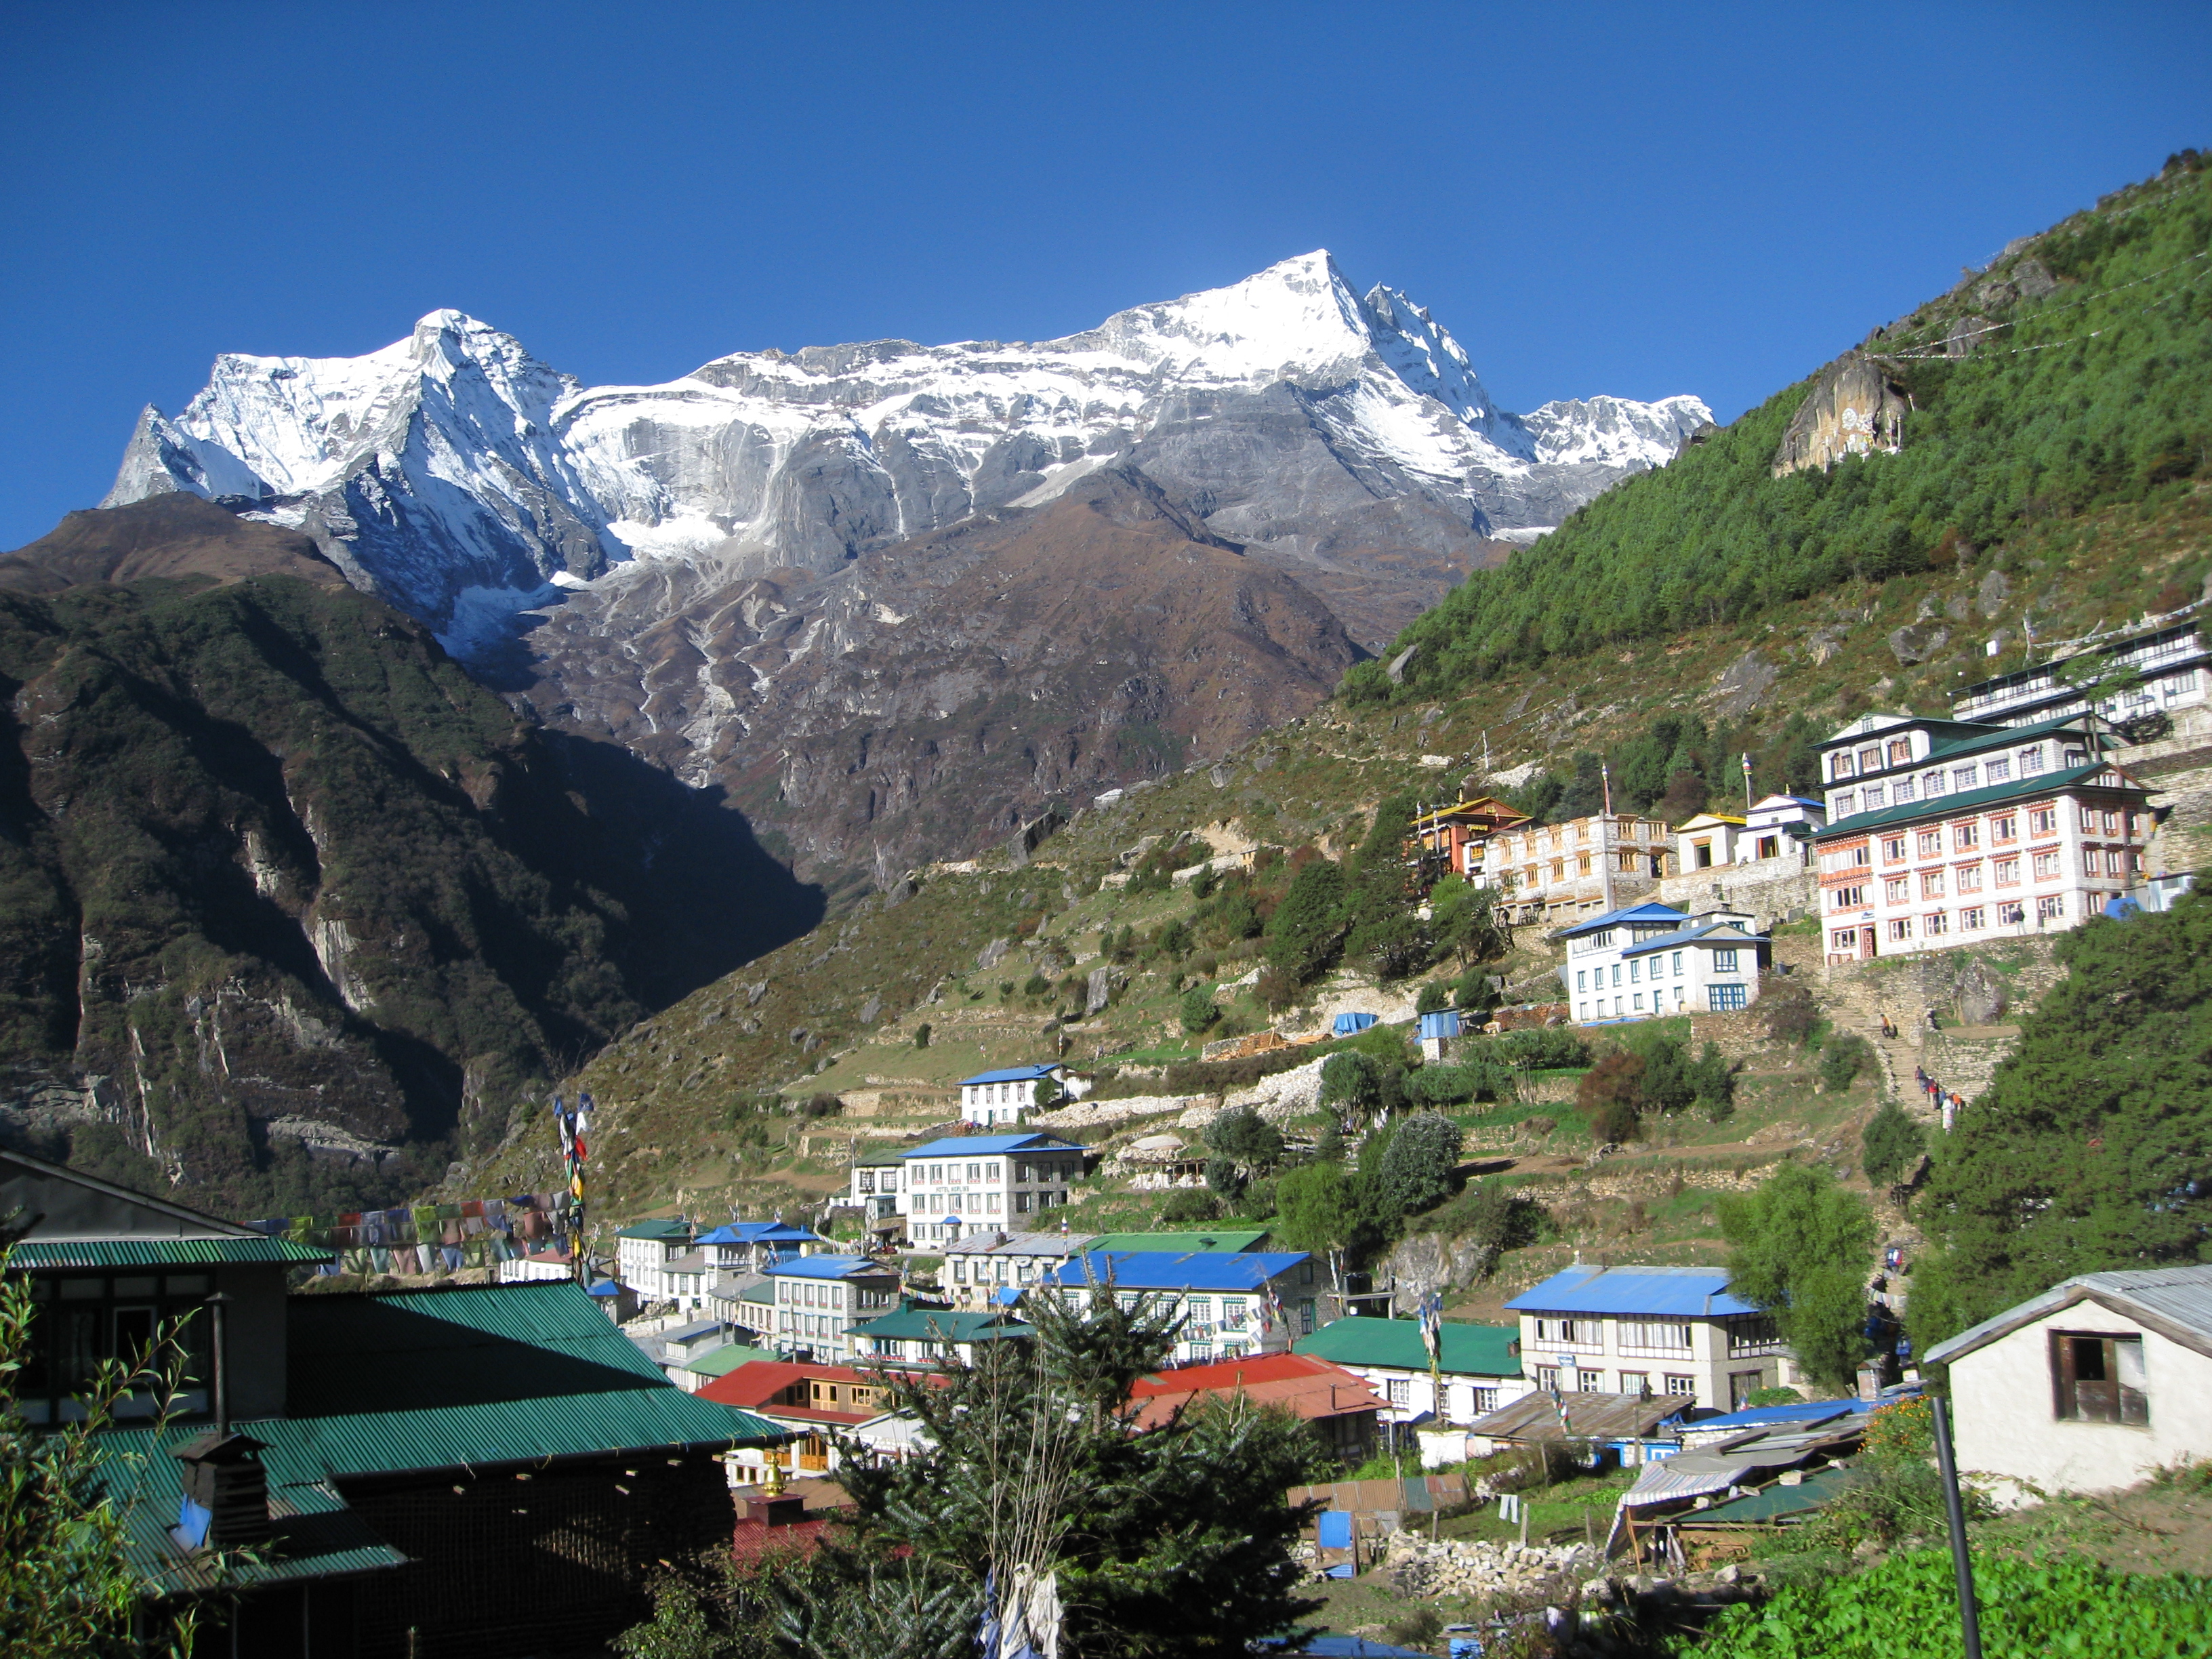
463,479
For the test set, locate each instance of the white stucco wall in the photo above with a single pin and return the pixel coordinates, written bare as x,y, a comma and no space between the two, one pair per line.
2006,1422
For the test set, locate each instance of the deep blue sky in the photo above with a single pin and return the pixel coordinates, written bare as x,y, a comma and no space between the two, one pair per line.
1639,200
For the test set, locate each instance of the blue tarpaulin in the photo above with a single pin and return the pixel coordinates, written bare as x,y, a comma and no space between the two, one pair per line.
1443,1025
1351,1024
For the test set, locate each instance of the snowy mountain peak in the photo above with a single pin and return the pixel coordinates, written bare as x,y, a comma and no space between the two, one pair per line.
452,462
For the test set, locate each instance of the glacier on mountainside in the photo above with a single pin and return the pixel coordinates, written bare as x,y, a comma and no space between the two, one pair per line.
454,474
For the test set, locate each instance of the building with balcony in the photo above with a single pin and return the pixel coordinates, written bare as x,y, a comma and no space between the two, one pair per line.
874,1185
1667,1333
1943,834
1557,873
2171,661
1454,840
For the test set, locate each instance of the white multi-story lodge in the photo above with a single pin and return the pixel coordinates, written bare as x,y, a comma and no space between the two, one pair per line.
1648,960
1944,833
2169,661
1006,1096
964,1183
1232,1305
819,1299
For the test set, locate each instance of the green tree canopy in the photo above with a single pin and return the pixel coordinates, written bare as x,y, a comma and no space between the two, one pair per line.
1307,930
1417,1166
2093,1148
1891,1142
1802,1248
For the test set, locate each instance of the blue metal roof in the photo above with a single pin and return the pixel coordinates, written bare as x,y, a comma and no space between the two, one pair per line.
1689,935
1630,913
1170,1270
758,1232
1685,1292
1818,1410
1011,1074
826,1267
985,1145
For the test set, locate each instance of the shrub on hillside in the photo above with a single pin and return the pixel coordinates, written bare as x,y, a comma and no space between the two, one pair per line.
1186,1205
1416,1168
1843,1057
1197,1009
1892,1144
1611,1096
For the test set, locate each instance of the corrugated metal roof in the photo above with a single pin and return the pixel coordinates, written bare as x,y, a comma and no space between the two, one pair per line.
1542,1416
1467,1349
1680,1292
667,1231
2179,1297
1711,933
1230,1243
985,1145
1627,913
1821,1487
1165,1270
827,1266
143,1251
1011,1074
941,1325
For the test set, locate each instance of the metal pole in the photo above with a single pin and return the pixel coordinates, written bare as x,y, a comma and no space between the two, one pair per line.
1962,1564
216,1304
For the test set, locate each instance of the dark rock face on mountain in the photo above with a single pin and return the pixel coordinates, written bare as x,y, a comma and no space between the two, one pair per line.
292,911
935,694
177,534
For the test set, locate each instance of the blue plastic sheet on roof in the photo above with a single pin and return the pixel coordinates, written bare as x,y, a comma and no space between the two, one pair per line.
1350,1025
1444,1024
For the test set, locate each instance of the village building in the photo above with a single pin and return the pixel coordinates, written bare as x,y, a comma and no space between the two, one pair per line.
1562,871
363,1434
1639,1426
2097,1384
996,1099
873,1186
1776,827
917,1335
2170,661
813,1402
819,1299
1674,1334
754,1247
1650,960
1480,1366
656,1260
1232,1305
1944,833
1341,1409
967,1183
1454,840
995,1268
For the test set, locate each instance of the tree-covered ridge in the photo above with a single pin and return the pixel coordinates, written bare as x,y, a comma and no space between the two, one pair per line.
2093,1149
2098,393
267,856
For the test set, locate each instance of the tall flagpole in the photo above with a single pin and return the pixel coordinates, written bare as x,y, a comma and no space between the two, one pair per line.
1747,782
1605,836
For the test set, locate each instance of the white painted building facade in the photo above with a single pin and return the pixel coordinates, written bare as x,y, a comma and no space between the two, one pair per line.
1651,960
964,1183
2091,1387
1005,1096
1668,1332
1944,834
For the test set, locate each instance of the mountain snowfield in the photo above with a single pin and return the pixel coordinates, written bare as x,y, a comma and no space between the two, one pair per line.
460,478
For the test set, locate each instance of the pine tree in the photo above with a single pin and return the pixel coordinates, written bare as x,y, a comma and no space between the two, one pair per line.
1804,1250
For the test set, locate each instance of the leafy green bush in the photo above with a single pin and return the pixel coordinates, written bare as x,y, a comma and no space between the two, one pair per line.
1907,1609
1892,1143
1435,998
1842,1057
1197,1009
1416,1168
1548,1047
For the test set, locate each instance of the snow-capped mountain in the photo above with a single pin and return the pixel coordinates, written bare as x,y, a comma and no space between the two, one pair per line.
459,477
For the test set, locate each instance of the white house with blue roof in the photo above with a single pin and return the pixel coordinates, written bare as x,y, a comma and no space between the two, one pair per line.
970,1183
819,1299
1668,1332
1944,833
1650,960
753,1246
992,1098
1232,1305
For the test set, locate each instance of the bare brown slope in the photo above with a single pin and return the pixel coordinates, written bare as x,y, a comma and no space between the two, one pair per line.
177,534
932,694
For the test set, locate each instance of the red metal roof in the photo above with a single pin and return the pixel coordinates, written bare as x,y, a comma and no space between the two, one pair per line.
1309,1387
757,1381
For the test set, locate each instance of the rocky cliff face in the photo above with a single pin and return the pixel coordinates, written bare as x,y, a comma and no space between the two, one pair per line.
291,910
945,689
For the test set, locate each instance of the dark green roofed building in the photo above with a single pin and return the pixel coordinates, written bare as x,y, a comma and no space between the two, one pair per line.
1480,1365
491,1467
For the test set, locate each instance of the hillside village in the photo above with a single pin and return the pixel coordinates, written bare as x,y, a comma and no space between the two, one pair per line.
1648,1135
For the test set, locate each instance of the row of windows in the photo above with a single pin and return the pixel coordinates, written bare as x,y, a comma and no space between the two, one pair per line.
1593,1381
1720,998
1724,962
2004,827
1940,780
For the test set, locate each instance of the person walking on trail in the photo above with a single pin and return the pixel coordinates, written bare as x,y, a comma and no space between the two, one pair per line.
1933,1024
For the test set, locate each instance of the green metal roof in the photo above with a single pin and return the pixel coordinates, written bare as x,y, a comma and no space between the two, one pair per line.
1467,1349
1232,1243
141,1251
1777,1503
667,1231
2004,737
726,1358
940,1325
1976,801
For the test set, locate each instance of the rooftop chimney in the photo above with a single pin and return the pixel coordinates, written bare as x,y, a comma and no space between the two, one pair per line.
226,1496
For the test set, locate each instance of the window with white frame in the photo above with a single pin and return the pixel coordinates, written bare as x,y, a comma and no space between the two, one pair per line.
1655,1336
